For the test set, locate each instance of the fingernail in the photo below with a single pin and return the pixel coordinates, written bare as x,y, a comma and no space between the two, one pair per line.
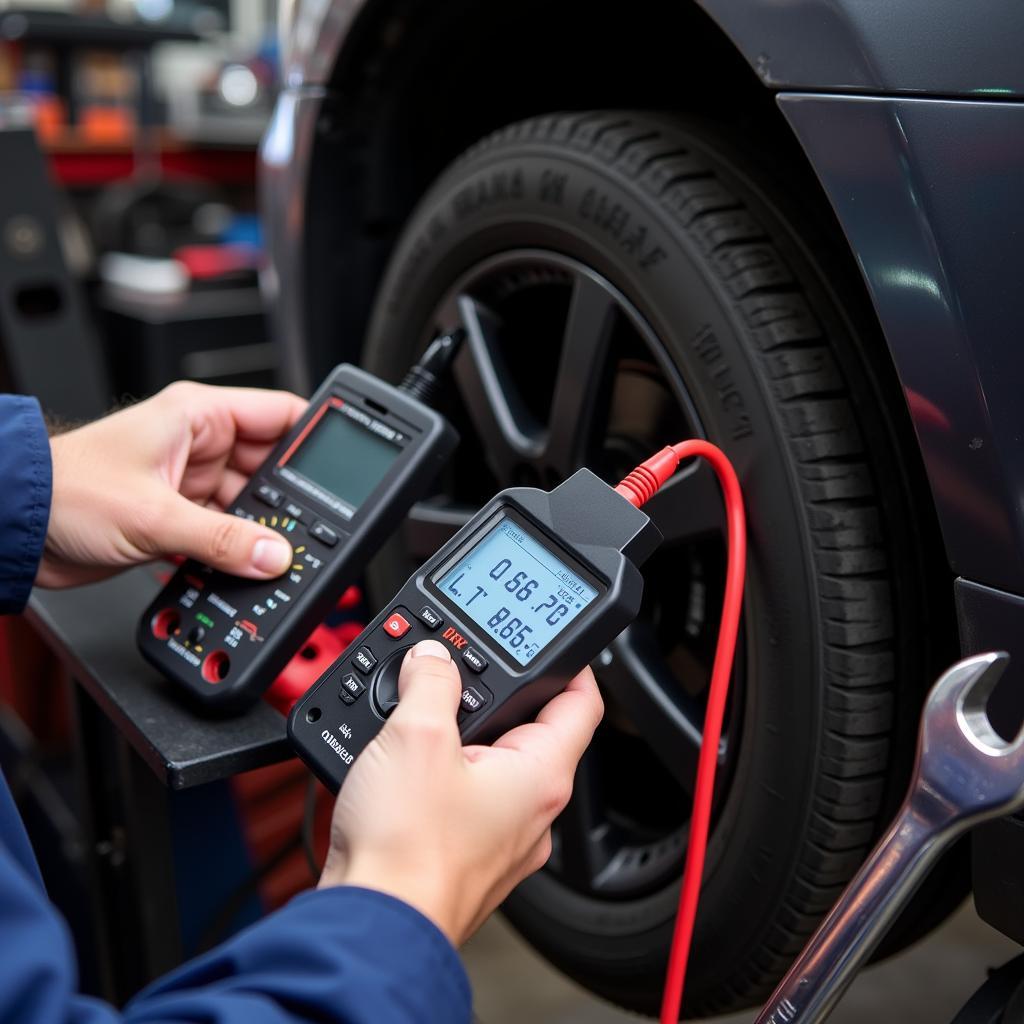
271,555
431,648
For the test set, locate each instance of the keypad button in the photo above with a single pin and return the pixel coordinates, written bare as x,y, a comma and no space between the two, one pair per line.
396,625
351,688
473,700
323,533
430,618
364,660
293,510
474,659
269,495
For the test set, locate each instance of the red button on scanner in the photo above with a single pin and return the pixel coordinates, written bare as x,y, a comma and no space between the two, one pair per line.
396,626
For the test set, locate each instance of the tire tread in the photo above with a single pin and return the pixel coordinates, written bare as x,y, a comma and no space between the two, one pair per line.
843,506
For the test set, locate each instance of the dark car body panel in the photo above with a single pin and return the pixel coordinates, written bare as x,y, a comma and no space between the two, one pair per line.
929,195
911,114
936,47
285,159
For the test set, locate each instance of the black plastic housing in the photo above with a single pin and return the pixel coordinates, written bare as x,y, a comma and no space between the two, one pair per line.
258,644
587,525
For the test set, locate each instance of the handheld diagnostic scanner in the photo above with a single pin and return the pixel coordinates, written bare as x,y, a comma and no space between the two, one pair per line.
336,487
526,594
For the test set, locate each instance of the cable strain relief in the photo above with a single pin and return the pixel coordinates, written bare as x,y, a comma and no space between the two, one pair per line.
421,384
423,381
640,485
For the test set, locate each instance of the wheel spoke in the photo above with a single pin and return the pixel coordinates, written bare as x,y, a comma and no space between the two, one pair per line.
432,523
582,829
689,506
633,671
581,385
509,432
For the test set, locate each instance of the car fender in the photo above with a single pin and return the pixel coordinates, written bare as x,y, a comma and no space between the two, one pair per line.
936,47
928,194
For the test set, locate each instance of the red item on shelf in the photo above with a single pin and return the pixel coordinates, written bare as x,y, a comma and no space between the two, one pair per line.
204,262
324,646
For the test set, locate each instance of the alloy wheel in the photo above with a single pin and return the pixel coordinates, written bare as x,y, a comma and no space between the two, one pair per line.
560,370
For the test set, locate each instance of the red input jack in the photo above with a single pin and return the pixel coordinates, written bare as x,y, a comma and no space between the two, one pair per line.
637,488
216,666
166,623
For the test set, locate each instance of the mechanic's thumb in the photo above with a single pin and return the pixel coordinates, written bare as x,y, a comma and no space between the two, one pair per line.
429,687
227,542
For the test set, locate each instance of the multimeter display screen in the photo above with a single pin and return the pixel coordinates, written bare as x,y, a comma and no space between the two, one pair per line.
344,457
516,590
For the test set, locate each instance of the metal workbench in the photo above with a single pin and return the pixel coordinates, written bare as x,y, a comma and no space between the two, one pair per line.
135,742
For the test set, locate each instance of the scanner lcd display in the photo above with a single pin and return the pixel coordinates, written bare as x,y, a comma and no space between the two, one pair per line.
344,456
516,590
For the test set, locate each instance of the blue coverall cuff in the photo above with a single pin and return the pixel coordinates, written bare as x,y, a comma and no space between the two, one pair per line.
27,478
343,955
411,951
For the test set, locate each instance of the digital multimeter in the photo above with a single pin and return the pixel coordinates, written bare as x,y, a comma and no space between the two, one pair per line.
526,594
336,487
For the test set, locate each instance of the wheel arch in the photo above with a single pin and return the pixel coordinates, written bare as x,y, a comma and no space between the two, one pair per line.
407,85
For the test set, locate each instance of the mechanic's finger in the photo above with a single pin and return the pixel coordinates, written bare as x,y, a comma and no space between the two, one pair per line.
261,414
230,487
429,689
224,541
248,456
564,727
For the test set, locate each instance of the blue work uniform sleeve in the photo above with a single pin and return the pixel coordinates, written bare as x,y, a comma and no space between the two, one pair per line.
345,955
25,483
336,956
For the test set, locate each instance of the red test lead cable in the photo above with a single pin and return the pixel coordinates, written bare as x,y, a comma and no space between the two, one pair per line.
637,488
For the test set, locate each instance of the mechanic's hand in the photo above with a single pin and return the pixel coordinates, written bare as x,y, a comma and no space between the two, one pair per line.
136,484
451,830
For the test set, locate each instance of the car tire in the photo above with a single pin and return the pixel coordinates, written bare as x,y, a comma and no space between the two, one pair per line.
708,243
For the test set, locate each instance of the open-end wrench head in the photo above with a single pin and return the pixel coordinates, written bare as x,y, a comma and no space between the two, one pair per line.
959,699
962,762
965,773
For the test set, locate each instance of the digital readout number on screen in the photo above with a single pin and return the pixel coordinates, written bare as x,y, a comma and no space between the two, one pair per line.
516,591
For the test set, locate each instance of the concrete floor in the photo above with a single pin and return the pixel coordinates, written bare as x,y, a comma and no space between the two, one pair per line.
927,983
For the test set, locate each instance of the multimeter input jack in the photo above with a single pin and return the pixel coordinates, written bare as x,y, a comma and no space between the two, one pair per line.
216,666
165,624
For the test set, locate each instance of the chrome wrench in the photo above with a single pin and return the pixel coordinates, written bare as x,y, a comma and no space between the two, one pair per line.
965,773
